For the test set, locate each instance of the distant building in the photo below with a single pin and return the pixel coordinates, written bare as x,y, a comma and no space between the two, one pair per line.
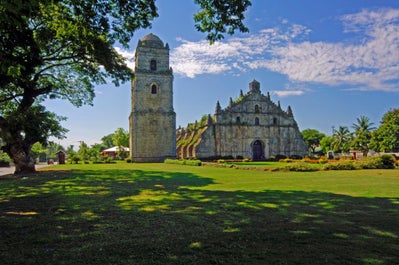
115,152
252,126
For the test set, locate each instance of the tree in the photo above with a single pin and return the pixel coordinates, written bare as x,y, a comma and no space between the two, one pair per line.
95,151
83,152
38,151
220,16
312,138
326,144
341,139
386,137
362,134
61,49
107,140
120,139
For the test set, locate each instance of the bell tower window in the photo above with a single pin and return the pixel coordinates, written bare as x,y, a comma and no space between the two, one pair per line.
153,65
256,109
154,89
256,121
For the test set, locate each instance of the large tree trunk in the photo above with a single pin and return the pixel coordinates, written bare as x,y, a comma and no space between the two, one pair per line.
22,158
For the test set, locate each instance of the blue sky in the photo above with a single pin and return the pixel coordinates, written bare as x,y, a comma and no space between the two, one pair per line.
331,61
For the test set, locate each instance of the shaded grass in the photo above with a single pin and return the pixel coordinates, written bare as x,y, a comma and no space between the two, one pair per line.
171,214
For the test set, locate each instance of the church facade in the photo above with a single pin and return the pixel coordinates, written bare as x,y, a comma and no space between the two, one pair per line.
252,126
152,121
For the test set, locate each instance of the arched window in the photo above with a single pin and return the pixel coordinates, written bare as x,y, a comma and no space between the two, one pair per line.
154,89
274,121
238,120
256,109
153,65
256,121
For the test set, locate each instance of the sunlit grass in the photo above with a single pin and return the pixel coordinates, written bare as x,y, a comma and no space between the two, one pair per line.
171,214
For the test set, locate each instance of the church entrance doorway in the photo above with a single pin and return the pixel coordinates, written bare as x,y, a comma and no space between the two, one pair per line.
257,150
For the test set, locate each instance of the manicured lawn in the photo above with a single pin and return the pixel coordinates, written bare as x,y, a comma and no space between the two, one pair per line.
171,214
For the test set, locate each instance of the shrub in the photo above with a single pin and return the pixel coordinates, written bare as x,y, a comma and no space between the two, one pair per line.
4,159
296,157
193,162
109,160
73,159
370,163
388,161
301,167
221,161
286,160
279,157
323,160
128,160
341,165
377,162
272,158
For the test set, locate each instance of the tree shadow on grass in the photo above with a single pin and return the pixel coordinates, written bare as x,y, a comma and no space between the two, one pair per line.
153,217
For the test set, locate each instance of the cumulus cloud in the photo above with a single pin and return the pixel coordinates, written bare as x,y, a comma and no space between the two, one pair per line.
369,63
372,64
368,60
237,54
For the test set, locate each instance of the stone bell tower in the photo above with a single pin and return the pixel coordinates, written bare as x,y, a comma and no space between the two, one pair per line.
152,122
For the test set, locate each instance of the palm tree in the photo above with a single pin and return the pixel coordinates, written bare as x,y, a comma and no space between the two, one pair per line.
341,139
362,138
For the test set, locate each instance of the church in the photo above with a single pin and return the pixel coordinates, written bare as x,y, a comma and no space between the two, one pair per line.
251,126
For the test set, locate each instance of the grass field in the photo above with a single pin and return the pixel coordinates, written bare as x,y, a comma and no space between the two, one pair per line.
171,214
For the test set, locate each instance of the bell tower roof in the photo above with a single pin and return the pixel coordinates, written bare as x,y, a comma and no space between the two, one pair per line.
152,41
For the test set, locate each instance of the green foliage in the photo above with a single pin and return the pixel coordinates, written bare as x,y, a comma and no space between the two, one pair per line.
120,137
83,151
341,139
188,162
312,138
301,167
362,134
340,165
386,137
326,144
4,157
219,17
107,141
388,161
377,162
73,158
38,149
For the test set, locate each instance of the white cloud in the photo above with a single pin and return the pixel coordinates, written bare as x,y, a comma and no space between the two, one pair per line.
287,93
196,58
128,55
369,64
